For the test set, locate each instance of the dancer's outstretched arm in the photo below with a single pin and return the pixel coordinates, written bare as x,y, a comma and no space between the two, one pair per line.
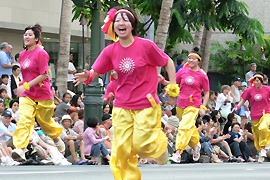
84,76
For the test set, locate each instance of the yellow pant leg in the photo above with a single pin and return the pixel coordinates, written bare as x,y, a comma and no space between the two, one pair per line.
149,141
187,131
25,126
261,132
44,113
123,159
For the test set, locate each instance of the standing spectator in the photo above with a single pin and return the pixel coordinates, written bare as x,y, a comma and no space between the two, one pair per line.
15,80
250,73
235,90
105,129
71,71
5,63
244,108
87,63
180,63
63,108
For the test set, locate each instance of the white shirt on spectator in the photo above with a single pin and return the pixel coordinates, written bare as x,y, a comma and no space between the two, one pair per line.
72,68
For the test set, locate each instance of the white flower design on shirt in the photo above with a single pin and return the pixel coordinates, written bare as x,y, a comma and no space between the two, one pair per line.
258,97
189,80
127,65
26,64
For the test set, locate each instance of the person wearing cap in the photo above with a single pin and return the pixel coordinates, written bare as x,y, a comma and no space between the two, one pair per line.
171,128
235,91
250,73
189,104
105,129
7,128
244,108
72,140
258,95
136,113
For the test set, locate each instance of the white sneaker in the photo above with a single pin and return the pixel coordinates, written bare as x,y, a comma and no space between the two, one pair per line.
240,159
262,155
176,158
4,161
64,162
163,159
19,154
196,152
250,159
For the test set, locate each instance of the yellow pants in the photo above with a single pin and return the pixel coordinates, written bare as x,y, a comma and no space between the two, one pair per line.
261,132
135,132
187,131
43,111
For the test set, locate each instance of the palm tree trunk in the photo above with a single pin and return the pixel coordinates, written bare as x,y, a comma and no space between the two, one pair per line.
198,38
205,48
64,38
163,24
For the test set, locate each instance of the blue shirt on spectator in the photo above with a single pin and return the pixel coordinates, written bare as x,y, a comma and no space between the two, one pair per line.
233,136
178,67
11,128
4,59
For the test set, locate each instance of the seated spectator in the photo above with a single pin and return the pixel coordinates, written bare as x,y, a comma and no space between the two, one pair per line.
206,146
105,129
2,107
93,140
64,106
5,156
238,146
211,105
4,97
81,94
79,125
107,109
72,139
250,140
14,109
7,128
14,80
171,132
75,103
57,100
164,99
232,118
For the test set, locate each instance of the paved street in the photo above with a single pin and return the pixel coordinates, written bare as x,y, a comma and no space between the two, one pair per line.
243,171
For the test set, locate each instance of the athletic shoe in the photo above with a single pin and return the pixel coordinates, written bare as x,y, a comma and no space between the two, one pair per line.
262,155
250,159
232,159
47,162
196,152
4,161
163,159
240,159
19,154
60,146
176,158
142,161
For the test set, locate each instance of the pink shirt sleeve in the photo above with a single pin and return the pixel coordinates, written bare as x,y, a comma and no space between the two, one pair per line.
156,56
43,62
205,83
103,63
178,75
93,139
246,94
108,90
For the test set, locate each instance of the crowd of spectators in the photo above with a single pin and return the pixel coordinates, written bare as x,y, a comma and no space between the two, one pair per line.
225,136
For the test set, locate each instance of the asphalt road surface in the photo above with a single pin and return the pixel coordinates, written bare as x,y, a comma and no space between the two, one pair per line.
206,171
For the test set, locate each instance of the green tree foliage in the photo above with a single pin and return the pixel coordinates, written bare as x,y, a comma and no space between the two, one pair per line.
228,59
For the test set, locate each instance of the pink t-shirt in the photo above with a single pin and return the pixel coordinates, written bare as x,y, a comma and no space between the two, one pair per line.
192,84
136,69
34,63
110,88
259,101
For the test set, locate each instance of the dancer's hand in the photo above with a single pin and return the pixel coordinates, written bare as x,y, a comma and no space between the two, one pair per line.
21,89
80,77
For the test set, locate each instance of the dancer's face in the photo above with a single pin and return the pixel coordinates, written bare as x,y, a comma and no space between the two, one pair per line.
257,83
193,61
122,26
29,38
